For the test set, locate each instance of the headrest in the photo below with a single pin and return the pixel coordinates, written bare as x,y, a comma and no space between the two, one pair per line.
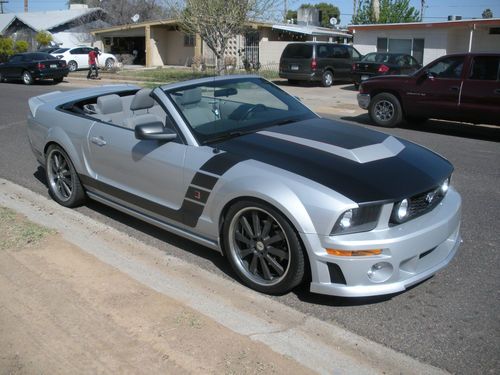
191,96
142,100
109,104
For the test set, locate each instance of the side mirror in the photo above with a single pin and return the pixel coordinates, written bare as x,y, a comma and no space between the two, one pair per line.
429,75
154,131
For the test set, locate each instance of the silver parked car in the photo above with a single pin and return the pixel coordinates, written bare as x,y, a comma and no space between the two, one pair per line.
238,165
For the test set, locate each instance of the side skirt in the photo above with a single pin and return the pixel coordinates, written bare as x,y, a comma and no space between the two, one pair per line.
156,222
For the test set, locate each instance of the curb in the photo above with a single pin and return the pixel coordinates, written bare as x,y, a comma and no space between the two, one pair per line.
320,346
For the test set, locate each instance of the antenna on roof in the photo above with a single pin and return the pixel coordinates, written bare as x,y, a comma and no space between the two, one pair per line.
2,2
135,18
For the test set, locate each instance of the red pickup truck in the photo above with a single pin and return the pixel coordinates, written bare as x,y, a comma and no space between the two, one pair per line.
460,87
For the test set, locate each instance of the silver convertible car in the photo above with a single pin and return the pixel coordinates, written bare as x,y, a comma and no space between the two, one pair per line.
240,166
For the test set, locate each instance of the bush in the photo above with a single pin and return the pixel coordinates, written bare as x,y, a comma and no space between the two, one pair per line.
21,46
6,48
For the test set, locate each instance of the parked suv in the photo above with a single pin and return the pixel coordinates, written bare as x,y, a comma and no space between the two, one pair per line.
320,62
461,87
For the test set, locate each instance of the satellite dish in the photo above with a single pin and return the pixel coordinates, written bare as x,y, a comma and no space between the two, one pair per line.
135,18
333,21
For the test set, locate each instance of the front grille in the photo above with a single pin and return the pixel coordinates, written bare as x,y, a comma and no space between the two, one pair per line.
420,204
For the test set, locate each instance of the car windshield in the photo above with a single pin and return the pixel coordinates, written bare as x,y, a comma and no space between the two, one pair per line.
220,109
378,58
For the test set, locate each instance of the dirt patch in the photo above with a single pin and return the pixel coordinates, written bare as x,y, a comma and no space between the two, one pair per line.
63,311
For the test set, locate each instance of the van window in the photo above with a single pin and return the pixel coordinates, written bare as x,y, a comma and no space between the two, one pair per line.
298,51
340,52
485,68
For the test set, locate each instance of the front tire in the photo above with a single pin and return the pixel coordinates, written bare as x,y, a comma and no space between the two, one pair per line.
27,78
327,78
263,248
64,184
385,110
72,66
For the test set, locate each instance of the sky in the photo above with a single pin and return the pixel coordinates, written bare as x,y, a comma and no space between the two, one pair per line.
436,10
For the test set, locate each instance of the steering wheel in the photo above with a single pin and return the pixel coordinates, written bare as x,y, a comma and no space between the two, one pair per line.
252,109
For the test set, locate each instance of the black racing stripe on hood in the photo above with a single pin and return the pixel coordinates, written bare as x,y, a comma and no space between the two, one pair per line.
331,132
414,170
220,163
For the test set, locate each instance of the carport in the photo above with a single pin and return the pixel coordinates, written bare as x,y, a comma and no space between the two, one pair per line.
157,43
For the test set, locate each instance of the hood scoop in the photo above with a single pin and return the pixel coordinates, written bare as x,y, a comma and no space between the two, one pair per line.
390,147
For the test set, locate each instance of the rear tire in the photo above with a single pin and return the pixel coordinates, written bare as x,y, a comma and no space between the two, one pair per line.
110,63
58,80
327,78
27,78
64,184
263,248
385,110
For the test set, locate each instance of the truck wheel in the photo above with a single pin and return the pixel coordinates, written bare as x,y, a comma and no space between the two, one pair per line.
385,110
327,78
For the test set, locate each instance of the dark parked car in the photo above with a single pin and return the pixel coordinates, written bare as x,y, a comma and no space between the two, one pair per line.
49,49
33,66
377,64
319,62
461,87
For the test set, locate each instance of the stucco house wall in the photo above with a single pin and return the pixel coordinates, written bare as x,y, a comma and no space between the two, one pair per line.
167,48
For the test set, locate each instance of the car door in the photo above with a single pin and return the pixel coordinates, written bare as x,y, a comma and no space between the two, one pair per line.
13,68
340,59
145,173
435,93
480,96
81,58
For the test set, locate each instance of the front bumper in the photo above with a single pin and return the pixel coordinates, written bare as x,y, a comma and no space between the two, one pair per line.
411,253
364,100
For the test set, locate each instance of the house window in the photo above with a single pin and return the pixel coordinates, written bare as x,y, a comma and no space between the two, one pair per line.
189,40
381,44
486,68
413,47
494,30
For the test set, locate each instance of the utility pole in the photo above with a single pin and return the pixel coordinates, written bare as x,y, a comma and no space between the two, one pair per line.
286,11
422,9
25,6
2,2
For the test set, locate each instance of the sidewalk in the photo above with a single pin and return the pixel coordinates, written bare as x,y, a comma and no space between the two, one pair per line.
90,299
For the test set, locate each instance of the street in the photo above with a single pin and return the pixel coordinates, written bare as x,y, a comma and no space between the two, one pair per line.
450,321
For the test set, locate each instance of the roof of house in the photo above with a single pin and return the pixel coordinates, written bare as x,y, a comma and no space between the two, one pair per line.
311,30
428,25
45,20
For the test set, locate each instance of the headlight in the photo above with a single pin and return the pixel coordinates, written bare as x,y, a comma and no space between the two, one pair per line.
361,219
401,210
445,186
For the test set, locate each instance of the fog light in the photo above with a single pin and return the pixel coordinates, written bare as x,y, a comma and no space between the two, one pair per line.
353,253
380,272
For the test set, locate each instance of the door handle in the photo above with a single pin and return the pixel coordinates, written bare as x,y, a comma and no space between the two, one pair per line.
454,88
98,141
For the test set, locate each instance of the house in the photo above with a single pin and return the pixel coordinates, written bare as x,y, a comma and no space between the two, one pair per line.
427,41
163,43
68,27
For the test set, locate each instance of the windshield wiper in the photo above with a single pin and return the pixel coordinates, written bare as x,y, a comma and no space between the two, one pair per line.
226,136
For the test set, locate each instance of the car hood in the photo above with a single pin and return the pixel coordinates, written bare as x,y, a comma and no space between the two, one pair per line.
361,164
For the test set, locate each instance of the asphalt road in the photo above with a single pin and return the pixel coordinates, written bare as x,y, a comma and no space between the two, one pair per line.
450,321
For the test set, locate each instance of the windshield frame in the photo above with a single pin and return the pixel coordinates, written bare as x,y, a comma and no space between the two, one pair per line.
204,139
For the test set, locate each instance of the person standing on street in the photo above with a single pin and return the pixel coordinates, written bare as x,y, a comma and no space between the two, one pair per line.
93,61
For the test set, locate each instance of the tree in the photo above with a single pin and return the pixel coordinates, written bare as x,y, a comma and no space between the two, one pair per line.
120,12
217,21
43,38
391,11
487,13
